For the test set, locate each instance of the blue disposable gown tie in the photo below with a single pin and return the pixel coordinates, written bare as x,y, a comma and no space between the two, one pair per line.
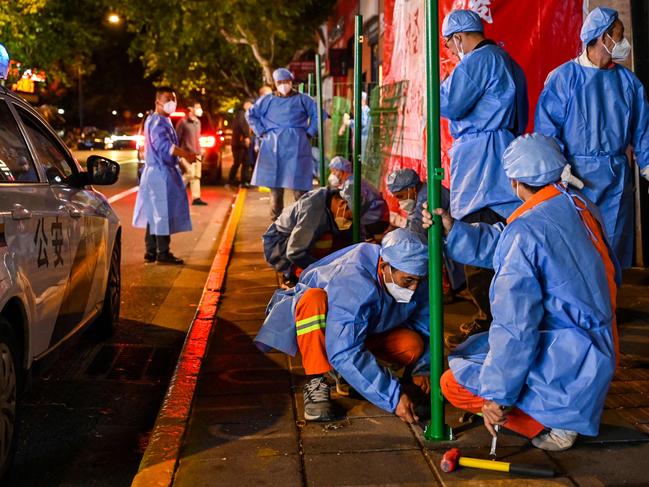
359,306
550,349
284,125
162,199
595,114
485,100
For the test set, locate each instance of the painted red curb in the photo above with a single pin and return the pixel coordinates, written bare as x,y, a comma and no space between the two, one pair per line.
161,457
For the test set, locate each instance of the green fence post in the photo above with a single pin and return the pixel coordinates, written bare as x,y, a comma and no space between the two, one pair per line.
358,77
318,86
309,84
436,430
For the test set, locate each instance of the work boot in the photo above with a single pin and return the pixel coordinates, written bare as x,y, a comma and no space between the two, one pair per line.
199,202
466,330
149,257
317,400
555,440
168,258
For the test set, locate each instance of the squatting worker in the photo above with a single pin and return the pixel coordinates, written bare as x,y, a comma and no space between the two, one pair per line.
596,109
314,226
375,215
485,101
188,130
161,205
284,121
360,304
549,356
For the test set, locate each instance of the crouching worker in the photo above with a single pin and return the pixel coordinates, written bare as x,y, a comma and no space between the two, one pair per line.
544,367
314,226
363,303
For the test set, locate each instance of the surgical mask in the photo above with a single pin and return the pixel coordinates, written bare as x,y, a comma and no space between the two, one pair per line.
400,294
284,88
341,222
408,205
169,107
620,49
460,51
333,181
198,112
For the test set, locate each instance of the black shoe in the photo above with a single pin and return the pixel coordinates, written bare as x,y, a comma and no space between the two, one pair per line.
466,330
169,258
317,401
199,202
149,257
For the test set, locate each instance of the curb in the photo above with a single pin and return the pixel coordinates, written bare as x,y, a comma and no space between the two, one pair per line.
161,457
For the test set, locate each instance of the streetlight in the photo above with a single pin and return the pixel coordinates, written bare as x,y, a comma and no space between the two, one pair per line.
114,19
61,111
140,115
114,112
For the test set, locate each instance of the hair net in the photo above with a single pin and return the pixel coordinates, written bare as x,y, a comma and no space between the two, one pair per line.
282,74
461,21
534,159
597,22
341,164
402,179
404,250
4,62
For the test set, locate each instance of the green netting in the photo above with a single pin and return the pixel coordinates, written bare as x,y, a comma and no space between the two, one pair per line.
337,144
386,105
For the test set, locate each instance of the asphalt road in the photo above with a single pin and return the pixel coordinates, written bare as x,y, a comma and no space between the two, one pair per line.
87,415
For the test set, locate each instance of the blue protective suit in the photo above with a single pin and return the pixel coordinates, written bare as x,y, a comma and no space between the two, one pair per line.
359,306
162,199
595,114
550,349
374,208
284,125
485,100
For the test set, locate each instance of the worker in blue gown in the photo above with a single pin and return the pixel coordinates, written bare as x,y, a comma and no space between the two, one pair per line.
485,101
597,109
357,305
284,121
161,205
549,357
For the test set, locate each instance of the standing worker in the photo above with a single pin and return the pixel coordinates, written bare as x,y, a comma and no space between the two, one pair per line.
485,100
596,109
284,121
188,130
161,205
240,145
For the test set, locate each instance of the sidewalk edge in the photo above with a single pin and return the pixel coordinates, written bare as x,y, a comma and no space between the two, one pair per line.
160,459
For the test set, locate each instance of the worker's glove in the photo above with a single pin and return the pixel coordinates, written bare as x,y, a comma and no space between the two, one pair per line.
568,178
347,120
645,173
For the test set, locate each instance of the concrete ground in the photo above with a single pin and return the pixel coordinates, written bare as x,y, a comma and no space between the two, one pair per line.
247,427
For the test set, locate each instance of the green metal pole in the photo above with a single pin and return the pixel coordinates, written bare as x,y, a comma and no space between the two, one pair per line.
300,88
309,84
318,86
436,430
358,71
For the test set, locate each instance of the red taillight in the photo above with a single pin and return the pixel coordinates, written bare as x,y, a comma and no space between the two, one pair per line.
207,141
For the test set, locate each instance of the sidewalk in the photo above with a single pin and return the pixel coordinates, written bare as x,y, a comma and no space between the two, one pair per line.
246,424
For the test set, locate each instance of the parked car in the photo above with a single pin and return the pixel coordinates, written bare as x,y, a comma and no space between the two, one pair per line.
59,252
125,138
95,139
211,141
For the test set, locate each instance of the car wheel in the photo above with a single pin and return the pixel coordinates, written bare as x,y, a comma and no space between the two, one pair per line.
104,324
10,360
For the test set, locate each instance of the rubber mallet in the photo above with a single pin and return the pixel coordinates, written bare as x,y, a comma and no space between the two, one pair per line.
453,458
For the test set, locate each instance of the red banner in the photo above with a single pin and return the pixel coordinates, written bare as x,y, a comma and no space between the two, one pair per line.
540,37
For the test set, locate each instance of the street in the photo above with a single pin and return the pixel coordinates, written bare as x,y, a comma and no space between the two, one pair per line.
86,417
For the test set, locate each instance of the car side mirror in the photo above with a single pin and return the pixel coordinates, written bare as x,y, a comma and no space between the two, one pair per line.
102,171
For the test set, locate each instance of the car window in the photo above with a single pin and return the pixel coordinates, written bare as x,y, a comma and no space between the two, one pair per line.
49,152
16,164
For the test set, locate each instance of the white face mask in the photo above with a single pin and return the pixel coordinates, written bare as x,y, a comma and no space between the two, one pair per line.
460,51
198,112
408,205
169,107
284,88
400,294
333,181
620,51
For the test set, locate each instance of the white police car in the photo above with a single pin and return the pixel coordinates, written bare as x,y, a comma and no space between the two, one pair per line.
59,251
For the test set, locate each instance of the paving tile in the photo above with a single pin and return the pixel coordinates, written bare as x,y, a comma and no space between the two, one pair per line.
357,435
632,374
261,469
348,407
635,415
235,343
623,387
629,400
244,408
402,468
254,381
236,363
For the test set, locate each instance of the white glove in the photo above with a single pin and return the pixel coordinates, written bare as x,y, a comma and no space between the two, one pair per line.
568,178
346,120
645,173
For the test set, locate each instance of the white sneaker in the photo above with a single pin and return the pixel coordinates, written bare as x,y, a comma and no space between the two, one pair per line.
555,440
